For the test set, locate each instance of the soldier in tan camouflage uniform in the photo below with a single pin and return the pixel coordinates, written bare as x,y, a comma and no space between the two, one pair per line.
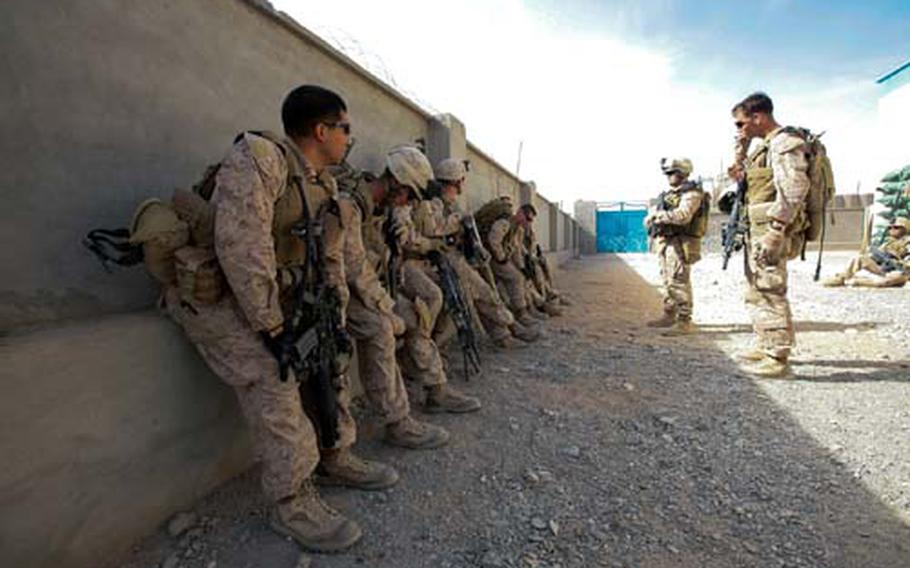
504,241
896,246
448,224
778,184
419,300
677,244
264,186
543,279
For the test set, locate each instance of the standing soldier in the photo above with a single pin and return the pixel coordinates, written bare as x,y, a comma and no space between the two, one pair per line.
776,173
449,224
677,227
418,300
265,188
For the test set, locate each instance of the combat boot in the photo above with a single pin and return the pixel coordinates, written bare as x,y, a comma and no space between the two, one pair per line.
835,281
563,301
538,314
769,367
667,320
751,355
415,435
525,333
345,469
551,309
508,342
681,327
524,318
314,525
443,398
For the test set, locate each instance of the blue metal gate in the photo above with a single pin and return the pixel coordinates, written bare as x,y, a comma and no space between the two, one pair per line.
622,230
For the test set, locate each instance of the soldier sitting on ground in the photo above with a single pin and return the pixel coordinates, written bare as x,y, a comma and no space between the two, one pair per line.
450,224
890,261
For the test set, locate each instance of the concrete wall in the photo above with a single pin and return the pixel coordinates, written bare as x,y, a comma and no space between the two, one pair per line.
109,422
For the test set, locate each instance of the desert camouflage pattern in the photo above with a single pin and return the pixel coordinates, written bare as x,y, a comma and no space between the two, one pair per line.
766,285
675,267
371,322
506,250
493,314
252,179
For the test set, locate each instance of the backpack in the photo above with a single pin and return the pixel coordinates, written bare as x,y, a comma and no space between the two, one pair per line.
821,183
490,212
174,239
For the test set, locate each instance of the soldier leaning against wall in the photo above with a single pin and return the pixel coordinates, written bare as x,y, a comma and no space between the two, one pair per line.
264,188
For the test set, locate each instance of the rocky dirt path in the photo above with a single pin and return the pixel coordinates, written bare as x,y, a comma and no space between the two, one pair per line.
608,445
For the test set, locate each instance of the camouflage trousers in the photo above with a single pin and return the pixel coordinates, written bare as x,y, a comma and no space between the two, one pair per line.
513,285
494,315
766,299
379,372
675,276
419,304
284,438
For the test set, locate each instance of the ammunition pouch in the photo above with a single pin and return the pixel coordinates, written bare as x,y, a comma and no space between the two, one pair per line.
200,280
760,224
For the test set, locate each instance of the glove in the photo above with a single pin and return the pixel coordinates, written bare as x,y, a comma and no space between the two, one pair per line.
770,247
281,347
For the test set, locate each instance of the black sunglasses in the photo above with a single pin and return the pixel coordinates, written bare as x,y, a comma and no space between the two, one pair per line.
346,126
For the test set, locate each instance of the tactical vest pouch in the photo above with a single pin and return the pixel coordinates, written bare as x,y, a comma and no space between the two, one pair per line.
199,278
160,231
760,182
198,214
691,250
760,224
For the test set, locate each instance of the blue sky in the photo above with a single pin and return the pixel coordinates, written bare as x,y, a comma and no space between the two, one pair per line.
598,92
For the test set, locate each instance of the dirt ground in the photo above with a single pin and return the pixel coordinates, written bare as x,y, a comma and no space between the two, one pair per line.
606,444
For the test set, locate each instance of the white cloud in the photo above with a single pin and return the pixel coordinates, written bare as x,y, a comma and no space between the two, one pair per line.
595,113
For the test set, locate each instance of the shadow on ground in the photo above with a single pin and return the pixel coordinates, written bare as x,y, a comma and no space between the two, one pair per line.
602,445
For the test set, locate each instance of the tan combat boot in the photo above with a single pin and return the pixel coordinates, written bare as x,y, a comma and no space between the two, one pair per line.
769,367
415,435
508,342
524,318
313,524
667,320
551,309
563,301
835,281
538,313
443,398
750,355
681,327
345,469
525,333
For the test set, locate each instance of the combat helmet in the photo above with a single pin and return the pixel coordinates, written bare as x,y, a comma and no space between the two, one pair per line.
901,222
450,169
410,167
681,165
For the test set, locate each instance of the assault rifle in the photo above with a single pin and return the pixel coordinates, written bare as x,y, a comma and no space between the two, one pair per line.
653,228
887,261
733,235
474,251
542,261
391,241
454,298
322,348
